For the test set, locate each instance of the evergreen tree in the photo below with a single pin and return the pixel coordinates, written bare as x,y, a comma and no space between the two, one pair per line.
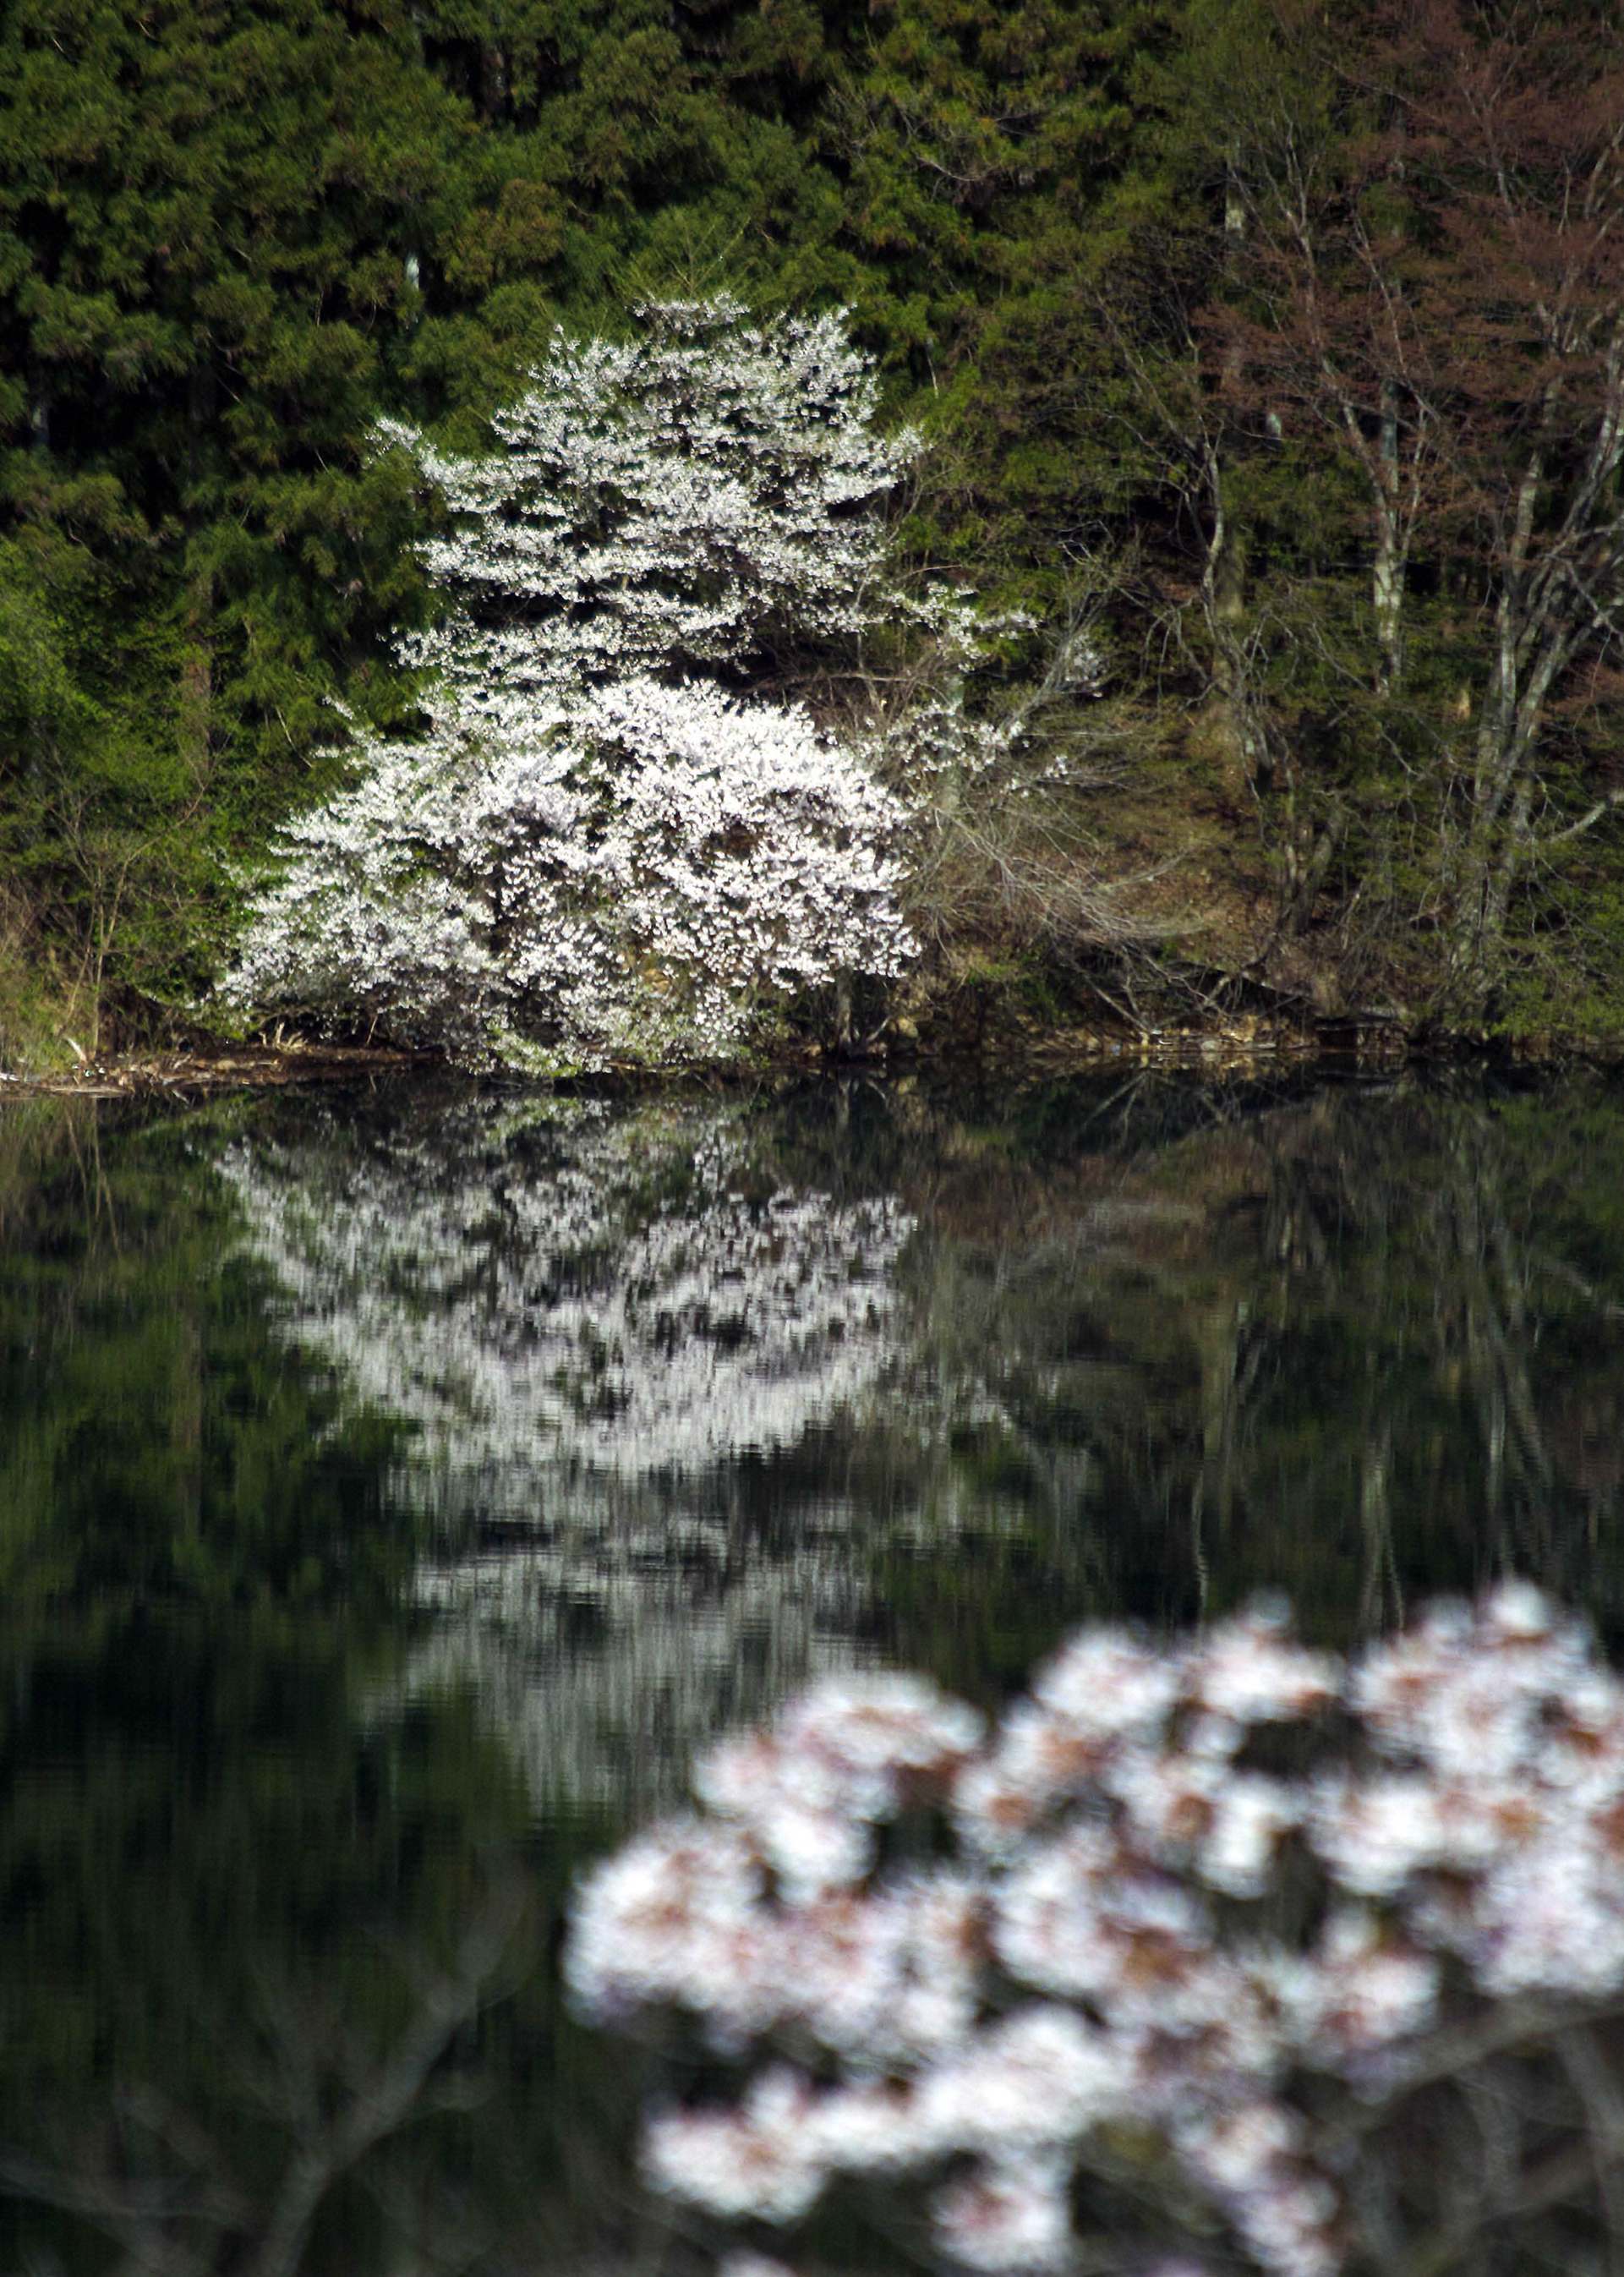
209,216
975,145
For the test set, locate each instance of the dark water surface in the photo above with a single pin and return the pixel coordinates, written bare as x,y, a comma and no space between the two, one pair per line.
394,1487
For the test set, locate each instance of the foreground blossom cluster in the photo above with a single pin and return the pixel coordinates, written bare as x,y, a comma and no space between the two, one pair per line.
597,851
1144,1945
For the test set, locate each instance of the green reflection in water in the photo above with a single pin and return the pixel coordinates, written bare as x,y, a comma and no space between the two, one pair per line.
238,1872
1357,1345
395,1487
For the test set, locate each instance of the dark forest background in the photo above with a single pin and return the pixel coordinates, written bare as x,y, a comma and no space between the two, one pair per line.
1277,348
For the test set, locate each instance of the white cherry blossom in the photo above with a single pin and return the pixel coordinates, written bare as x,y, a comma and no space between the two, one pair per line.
597,850
1147,1937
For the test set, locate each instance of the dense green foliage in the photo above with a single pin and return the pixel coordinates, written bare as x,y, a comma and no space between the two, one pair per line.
233,235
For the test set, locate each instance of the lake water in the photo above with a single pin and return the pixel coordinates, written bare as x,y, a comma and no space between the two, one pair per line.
396,1485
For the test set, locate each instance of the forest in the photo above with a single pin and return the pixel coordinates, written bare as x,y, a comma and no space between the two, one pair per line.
581,533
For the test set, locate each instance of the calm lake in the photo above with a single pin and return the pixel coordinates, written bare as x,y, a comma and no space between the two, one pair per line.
396,1485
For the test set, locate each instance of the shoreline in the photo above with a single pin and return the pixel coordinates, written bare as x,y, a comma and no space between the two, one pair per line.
200,1072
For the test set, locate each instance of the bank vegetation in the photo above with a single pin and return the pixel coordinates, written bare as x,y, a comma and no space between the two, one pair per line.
1244,395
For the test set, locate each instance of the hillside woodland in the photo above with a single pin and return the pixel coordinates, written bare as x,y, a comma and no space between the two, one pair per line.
588,532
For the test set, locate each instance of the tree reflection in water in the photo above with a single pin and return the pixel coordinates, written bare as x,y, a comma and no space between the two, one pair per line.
1355,1342
271,1996
556,1288
607,1329
398,1487
702,1393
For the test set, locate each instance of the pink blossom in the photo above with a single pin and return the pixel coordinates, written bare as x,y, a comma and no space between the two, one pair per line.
1007,2218
1043,2075
761,2159
1249,1671
1124,1860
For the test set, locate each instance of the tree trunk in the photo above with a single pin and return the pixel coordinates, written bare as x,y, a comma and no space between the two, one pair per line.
195,703
1387,567
493,83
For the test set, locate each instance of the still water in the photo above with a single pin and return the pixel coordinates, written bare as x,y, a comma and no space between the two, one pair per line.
396,1486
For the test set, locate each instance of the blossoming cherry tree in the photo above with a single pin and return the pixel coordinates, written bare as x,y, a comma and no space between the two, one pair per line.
605,843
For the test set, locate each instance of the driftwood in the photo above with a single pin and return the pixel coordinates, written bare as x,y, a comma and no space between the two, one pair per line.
185,1073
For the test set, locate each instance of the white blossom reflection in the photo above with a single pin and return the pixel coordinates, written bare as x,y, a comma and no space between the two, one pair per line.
560,1288
604,1652
599,1321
